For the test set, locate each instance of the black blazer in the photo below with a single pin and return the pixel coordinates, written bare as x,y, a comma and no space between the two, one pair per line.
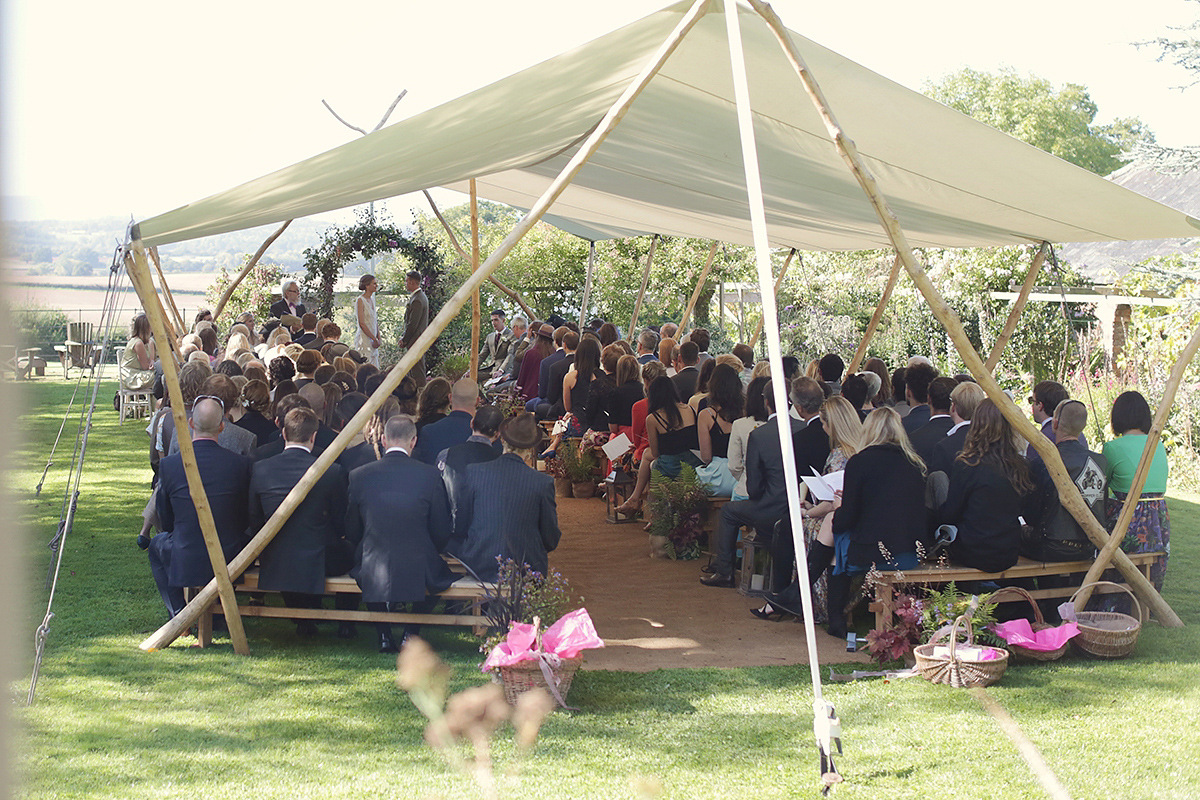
555,374
926,437
306,338
359,455
984,506
325,437
685,382
452,429
765,483
811,444
399,518
883,502
507,509
916,418
280,307
549,361
454,467
226,479
259,425
946,450
294,561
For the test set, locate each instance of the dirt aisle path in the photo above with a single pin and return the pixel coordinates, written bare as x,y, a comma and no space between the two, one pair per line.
653,613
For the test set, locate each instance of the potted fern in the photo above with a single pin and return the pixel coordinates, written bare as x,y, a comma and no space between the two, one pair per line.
578,465
678,509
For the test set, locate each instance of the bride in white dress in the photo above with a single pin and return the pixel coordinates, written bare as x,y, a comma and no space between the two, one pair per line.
366,336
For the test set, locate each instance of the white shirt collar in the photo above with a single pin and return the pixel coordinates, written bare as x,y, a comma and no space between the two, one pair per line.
396,449
962,424
297,446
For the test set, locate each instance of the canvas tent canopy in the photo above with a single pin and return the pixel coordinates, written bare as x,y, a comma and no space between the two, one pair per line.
674,165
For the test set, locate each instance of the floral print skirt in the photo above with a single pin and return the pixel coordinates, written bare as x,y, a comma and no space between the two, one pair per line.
1149,530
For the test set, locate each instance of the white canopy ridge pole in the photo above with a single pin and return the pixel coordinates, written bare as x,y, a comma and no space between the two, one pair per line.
1010,324
861,353
637,306
587,287
228,293
778,282
687,314
182,621
1068,492
758,222
475,300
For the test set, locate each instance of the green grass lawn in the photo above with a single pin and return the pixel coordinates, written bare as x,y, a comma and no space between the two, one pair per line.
323,718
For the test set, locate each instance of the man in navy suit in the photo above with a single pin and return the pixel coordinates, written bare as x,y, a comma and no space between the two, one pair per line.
452,429
178,556
507,508
916,390
647,348
310,545
965,398
553,408
399,516
766,487
926,437
479,447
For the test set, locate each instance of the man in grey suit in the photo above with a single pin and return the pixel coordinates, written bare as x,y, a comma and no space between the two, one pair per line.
416,320
507,508
399,515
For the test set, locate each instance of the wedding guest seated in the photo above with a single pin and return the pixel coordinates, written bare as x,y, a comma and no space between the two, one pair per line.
279,411
627,393
1150,528
881,510
399,516
136,370
479,447
900,392
739,435
647,349
989,482
309,334
324,374
832,367
311,543
1047,396
883,396
178,556
541,347
359,451
927,437
916,384
452,429
855,390
554,371
434,404
666,353
714,426
231,437
507,508
280,369
745,354
696,400
700,337
1056,535
256,399
687,374
306,366
965,398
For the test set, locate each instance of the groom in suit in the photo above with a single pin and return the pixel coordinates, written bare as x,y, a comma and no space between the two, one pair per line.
507,508
399,515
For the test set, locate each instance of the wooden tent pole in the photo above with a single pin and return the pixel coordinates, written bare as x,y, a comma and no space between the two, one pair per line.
637,306
587,285
1104,557
1068,492
181,326
778,282
458,248
861,353
687,313
475,310
182,621
139,275
1018,307
241,276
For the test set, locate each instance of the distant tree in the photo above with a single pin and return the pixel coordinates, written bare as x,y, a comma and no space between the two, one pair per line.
1061,122
1183,52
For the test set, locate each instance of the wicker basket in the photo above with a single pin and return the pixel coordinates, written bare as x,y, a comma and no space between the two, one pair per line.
1039,624
1107,634
520,678
954,669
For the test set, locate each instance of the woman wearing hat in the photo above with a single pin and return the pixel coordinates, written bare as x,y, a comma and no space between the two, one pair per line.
531,364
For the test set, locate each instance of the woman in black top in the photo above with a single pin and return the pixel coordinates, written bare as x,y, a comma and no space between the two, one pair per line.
988,483
434,403
602,389
714,425
671,429
629,391
578,383
256,398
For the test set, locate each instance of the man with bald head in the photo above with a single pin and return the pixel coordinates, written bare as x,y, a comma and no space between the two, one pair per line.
452,429
178,556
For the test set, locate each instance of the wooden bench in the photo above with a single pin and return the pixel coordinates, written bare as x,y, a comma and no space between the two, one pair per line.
932,575
464,590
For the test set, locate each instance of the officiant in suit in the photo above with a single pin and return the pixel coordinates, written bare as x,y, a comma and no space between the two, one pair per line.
507,508
310,545
178,556
399,516
290,302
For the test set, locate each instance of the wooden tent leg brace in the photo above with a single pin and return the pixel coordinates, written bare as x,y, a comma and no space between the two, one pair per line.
169,632
778,282
687,314
139,275
861,353
475,301
182,326
458,248
1068,492
1143,470
251,264
1014,315
637,306
587,287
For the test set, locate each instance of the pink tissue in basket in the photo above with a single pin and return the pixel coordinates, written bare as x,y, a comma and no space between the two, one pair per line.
566,638
1020,632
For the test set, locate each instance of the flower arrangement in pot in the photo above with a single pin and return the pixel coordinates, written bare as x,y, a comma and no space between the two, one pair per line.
919,618
577,464
678,509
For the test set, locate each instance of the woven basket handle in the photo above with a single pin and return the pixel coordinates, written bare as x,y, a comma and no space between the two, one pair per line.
1002,595
954,636
1124,589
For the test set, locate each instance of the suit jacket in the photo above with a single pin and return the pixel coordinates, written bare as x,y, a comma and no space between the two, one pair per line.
306,338
359,455
507,509
454,462
915,418
232,437
325,437
946,450
929,435
416,317
811,444
399,518
452,429
226,479
294,561
549,361
554,392
280,307
685,382
765,483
